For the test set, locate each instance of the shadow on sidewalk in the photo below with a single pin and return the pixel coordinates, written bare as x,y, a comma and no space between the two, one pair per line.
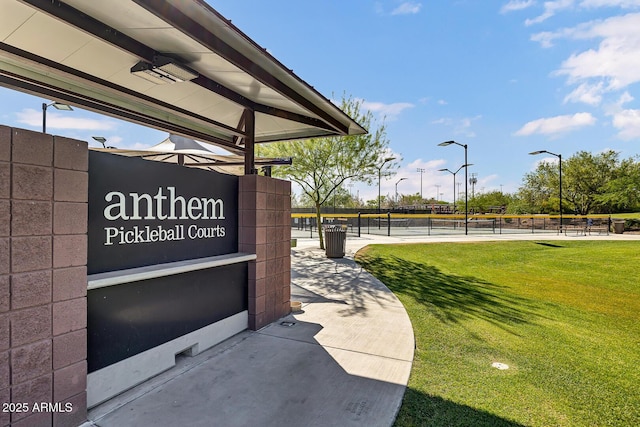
316,278
276,377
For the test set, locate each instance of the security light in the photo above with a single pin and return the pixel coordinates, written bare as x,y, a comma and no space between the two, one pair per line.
163,70
444,144
56,105
466,163
100,139
61,106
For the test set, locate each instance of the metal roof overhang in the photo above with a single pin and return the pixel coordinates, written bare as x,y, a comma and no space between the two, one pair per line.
81,52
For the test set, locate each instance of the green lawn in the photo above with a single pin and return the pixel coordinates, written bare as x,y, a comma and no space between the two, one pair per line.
564,315
635,215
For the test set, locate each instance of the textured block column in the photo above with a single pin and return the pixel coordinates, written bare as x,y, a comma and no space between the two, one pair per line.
43,280
265,229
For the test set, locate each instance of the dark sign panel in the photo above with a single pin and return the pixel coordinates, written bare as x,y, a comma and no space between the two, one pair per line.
144,213
128,319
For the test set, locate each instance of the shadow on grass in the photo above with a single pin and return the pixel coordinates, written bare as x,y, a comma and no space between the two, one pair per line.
420,409
449,297
550,245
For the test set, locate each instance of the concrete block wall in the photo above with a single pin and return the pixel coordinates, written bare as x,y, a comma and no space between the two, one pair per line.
265,229
43,279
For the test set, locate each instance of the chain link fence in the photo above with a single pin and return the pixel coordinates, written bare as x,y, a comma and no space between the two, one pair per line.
304,225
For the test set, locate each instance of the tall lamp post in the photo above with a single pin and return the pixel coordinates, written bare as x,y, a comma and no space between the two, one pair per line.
388,159
421,170
559,156
401,179
57,106
101,139
454,182
466,211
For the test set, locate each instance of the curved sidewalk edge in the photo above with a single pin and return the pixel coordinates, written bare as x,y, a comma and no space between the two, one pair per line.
361,325
344,360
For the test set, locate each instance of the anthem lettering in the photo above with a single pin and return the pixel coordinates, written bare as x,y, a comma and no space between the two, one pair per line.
161,206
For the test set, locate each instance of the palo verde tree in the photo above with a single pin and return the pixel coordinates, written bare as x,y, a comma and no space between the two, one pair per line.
321,165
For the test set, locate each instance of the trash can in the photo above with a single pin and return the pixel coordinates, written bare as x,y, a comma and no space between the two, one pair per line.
618,226
335,237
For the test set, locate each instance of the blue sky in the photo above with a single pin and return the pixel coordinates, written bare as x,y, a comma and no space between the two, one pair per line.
505,77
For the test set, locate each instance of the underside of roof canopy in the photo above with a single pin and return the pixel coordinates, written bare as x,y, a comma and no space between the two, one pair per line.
174,65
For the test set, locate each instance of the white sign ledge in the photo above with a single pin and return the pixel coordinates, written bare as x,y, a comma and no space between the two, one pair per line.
119,277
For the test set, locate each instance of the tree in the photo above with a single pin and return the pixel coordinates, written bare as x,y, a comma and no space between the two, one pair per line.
586,177
622,193
539,192
411,200
321,165
385,202
491,202
591,183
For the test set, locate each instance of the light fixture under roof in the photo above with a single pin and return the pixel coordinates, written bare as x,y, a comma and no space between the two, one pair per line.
163,70
61,106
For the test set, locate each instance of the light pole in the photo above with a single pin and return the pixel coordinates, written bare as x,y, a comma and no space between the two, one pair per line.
421,170
473,181
437,192
388,159
101,140
401,179
466,211
57,106
454,182
559,156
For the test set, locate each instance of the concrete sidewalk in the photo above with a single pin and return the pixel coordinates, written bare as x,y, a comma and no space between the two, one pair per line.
344,360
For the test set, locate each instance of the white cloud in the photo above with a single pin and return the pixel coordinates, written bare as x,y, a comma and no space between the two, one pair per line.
586,93
431,165
430,178
625,120
547,38
443,121
556,125
624,4
617,58
442,102
550,9
624,98
464,127
628,124
407,8
611,66
516,5
32,117
460,126
388,111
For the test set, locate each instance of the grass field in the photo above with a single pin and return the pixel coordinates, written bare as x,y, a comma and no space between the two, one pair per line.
563,315
635,215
